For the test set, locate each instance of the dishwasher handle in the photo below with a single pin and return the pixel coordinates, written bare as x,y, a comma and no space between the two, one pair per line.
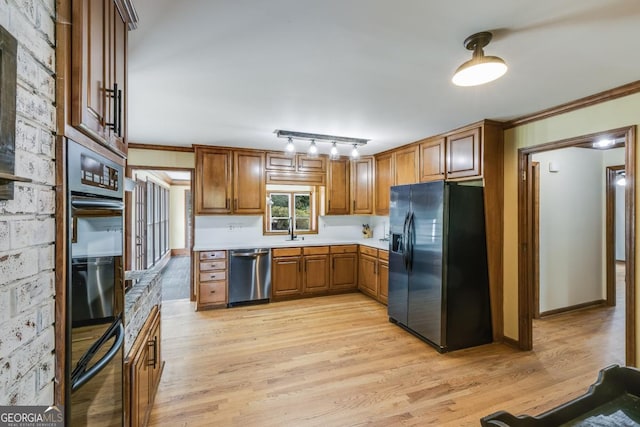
249,254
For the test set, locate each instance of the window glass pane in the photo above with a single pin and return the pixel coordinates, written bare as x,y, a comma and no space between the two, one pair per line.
279,212
303,212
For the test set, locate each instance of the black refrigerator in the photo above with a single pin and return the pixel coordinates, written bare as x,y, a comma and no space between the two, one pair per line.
438,273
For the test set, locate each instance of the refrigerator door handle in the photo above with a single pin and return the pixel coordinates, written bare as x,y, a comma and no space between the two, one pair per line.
410,237
405,241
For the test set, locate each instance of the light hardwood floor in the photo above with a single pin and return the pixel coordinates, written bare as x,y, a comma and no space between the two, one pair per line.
337,361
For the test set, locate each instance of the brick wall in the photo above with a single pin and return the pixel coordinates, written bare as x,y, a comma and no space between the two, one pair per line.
27,226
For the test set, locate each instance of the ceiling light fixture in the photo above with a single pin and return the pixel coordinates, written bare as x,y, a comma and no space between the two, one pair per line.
354,152
316,137
313,149
479,69
334,154
290,148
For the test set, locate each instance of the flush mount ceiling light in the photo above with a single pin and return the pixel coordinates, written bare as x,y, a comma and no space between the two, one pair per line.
480,69
315,137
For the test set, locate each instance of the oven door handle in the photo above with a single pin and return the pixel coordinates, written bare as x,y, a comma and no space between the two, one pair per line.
93,203
80,374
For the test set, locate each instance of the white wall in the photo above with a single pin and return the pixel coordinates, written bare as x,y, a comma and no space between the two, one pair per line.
572,220
177,232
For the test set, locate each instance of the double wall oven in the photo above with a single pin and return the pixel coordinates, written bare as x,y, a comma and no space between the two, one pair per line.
95,289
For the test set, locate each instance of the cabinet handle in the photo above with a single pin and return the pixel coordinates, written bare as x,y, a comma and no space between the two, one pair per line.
153,343
375,268
226,204
119,131
354,206
300,267
333,264
235,204
329,205
113,94
213,292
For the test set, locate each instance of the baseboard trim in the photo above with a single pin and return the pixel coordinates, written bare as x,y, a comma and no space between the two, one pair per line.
511,342
590,304
180,252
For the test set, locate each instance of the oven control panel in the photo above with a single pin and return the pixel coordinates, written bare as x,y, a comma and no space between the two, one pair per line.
95,173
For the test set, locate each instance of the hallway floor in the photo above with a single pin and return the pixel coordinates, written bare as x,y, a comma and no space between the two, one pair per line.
175,278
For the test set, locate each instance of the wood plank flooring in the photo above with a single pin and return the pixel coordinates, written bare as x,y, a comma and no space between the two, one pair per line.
337,361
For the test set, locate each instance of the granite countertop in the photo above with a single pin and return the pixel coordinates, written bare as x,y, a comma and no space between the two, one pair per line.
281,242
143,280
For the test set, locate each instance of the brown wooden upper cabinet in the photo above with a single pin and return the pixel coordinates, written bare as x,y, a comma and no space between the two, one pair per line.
464,154
383,182
98,70
229,181
248,182
362,186
338,198
406,165
432,159
295,163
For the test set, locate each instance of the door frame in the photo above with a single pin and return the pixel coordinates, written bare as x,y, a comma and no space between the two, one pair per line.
526,229
611,174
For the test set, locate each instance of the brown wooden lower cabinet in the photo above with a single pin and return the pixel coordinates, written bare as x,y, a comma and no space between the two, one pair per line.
373,273
344,268
143,367
211,279
313,270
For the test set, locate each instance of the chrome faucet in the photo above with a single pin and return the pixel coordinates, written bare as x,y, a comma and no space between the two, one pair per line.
291,235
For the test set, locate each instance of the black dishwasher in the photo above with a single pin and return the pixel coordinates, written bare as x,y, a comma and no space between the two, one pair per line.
249,276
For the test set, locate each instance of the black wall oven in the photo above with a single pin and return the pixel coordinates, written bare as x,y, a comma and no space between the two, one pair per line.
95,289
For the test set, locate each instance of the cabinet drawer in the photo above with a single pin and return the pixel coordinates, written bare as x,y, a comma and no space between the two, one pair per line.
212,265
213,275
286,252
382,254
213,292
213,255
316,250
343,249
368,251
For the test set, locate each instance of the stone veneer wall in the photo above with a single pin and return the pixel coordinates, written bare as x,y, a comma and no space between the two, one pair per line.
139,301
27,225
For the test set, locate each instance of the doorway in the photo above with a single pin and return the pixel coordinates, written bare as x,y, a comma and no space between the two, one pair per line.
527,233
161,226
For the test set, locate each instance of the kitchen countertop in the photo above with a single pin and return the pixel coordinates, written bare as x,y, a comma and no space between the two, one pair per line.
280,242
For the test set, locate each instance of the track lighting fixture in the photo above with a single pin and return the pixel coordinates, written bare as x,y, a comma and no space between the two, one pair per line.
314,137
480,69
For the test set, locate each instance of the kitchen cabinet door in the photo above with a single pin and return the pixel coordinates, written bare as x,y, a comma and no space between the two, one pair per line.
383,281
367,275
338,195
213,181
464,156
248,182
362,186
315,273
118,102
89,66
286,276
344,271
407,165
383,182
140,388
432,160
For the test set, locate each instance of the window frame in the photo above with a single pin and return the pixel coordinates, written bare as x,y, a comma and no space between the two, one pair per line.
313,217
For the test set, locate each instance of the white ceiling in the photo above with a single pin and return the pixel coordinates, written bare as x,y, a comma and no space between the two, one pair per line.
230,72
